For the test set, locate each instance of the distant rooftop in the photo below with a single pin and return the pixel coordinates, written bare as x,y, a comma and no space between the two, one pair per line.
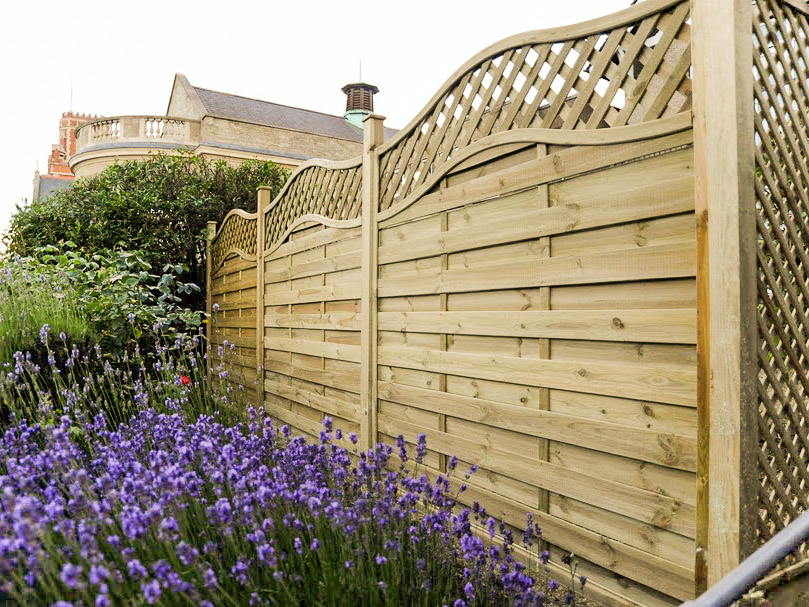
236,107
49,185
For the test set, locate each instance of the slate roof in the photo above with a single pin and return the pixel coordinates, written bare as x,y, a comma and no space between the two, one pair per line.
225,105
49,185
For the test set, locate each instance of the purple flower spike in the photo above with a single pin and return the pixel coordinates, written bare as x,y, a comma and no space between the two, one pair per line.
70,573
151,591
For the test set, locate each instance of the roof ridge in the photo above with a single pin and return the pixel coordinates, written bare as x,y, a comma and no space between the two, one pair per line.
292,107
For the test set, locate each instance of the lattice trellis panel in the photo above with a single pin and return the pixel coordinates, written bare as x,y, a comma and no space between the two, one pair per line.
781,90
237,235
316,190
632,73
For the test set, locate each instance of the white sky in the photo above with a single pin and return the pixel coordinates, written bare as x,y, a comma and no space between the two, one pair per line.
120,58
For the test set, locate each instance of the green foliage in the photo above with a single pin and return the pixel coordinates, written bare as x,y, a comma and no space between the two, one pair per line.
115,294
29,300
158,206
122,297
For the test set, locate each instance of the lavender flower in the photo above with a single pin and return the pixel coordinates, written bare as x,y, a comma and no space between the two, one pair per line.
71,573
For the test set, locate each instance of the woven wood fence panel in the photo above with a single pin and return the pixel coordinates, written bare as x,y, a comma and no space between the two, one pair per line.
780,58
631,73
233,335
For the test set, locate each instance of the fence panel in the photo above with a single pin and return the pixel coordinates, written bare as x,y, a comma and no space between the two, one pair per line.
232,301
543,326
312,329
514,276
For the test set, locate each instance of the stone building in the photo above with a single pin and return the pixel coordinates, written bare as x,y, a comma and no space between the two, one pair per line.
224,126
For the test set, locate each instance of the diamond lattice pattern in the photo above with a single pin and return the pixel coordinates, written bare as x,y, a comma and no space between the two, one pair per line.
237,234
630,74
781,103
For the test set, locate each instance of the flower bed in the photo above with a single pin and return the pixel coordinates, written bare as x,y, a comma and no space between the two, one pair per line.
178,512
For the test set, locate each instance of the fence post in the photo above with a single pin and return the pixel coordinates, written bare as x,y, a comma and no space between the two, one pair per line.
264,198
211,232
726,286
373,137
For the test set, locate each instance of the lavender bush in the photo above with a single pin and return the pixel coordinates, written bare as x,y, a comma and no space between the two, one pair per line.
67,380
176,512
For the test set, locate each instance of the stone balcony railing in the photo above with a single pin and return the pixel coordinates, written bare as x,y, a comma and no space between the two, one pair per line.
137,130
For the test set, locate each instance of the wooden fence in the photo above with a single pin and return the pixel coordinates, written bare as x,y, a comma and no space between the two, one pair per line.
553,272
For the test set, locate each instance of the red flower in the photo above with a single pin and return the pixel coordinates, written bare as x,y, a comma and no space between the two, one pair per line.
185,380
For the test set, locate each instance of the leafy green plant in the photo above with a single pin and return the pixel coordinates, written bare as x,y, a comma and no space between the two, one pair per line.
112,296
159,206
29,300
120,294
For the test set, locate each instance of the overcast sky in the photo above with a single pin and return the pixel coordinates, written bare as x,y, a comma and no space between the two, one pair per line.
121,57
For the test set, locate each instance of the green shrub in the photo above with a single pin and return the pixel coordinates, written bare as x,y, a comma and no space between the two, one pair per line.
115,295
159,206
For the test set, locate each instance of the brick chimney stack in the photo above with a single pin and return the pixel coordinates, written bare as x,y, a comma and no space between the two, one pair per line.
61,152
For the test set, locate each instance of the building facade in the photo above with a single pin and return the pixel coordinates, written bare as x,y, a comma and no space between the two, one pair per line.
224,126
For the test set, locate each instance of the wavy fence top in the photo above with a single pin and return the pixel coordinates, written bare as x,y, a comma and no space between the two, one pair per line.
330,190
625,68
622,69
236,235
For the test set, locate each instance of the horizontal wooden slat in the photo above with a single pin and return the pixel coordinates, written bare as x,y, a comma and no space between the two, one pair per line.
230,360
554,167
656,326
237,284
349,261
660,199
335,292
341,321
241,303
327,404
236,264
667,419
658,383
655,541
619,557
315,348
649,263
343,379
237,322
653,508
303,423
665,449
236,340
317,239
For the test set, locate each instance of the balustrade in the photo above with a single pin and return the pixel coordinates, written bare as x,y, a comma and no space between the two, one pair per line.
135,129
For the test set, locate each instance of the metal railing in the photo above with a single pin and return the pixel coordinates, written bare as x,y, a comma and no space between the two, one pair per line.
735,584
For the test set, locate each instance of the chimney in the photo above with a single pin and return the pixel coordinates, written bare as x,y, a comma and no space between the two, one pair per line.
359,101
